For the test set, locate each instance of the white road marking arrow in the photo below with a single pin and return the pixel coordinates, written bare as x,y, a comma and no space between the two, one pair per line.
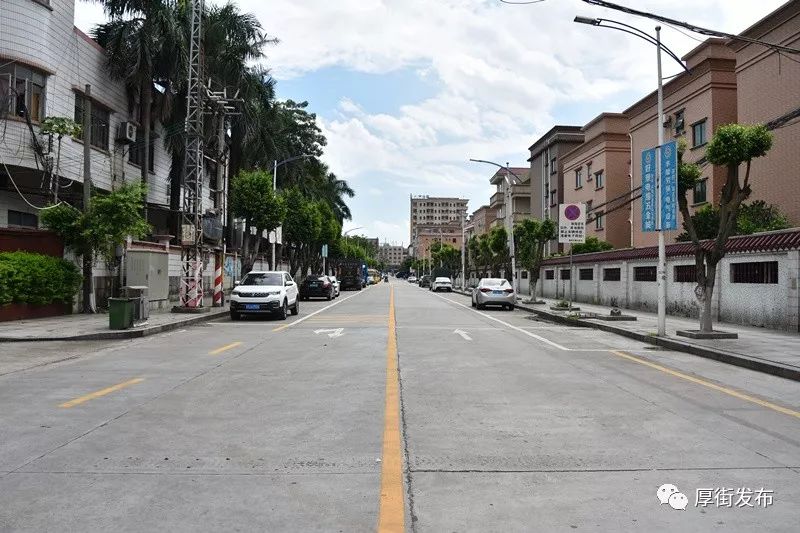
464,334
338,332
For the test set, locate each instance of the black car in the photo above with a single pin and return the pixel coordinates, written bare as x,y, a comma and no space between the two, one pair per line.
425,281
317,287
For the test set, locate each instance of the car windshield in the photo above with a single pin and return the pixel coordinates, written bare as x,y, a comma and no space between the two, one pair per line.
494,282
264,278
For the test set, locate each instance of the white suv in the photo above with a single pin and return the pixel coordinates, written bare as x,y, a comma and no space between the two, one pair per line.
262,292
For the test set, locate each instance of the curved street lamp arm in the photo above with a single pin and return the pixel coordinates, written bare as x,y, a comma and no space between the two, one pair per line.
498,165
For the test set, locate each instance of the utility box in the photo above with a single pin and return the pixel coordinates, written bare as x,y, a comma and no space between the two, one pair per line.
120,313
148,268
141,303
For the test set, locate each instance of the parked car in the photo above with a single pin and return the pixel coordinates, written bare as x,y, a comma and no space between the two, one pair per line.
494,291
442,284
425,281
263,292
336,286
317,287
412,279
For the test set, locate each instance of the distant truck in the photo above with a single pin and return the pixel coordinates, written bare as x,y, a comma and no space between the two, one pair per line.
351,275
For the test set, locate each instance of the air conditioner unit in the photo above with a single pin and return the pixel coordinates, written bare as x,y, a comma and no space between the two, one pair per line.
666,120
127,132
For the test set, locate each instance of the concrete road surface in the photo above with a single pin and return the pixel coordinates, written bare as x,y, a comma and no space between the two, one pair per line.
388,409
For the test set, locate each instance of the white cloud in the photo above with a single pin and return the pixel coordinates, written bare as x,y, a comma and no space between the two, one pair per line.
503,75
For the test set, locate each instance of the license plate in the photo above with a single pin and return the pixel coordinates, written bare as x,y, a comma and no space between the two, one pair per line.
497,292
253,307
313,284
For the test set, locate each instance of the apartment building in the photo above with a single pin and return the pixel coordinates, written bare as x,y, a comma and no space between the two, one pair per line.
45,63
597,173
695,105
432,219
392,256
547,172
520,191
768,88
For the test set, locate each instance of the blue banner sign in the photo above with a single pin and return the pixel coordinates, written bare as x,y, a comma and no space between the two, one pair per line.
649,190
669,186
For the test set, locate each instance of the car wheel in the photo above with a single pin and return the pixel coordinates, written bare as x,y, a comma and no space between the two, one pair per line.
284,312
473,302
296,307
480,306
235,315
329,297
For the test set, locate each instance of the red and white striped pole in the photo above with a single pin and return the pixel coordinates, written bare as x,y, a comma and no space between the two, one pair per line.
218,260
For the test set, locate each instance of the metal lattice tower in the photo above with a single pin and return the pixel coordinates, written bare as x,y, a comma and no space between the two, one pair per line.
192,228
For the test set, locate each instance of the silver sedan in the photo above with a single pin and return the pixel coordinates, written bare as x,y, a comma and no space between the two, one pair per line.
494,291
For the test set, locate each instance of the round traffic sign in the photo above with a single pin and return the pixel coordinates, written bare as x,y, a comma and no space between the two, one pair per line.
572,212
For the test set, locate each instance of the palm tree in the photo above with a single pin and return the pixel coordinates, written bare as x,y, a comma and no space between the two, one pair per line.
334,191
145,45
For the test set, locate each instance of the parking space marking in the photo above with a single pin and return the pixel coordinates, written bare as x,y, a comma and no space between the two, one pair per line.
100,393
299,320
704,383
225,348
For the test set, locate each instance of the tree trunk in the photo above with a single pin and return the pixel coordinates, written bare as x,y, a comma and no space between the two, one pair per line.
88,283
147,111
247,259
705,295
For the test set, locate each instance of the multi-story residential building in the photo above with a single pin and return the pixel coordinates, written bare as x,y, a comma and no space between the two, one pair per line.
597,173
434,218
695,105
547,172
479,221
392,256
768,88
519,178
45,63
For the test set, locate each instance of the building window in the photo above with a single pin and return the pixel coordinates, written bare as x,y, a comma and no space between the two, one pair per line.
680,123
699,193
599,221
599,180
549,274
699,133
565,274
589,171
685,274
100,126
22,220
553,199
578,178
586,274
612,274
22,88
644,273
756,272
136,154
524,274
553,166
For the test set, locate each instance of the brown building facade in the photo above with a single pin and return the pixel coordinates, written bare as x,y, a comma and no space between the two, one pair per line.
597,173
768,88
695,105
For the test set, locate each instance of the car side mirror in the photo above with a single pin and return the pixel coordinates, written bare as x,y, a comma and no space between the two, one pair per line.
290,283
237,283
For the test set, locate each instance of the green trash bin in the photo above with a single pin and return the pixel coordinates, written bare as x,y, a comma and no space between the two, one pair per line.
120,313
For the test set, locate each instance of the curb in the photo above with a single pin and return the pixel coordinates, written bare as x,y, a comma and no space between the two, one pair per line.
133,333
749,362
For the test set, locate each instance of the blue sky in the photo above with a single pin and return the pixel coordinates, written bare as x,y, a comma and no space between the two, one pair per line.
407,91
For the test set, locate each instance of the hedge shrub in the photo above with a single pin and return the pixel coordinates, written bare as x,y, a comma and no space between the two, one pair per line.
37,279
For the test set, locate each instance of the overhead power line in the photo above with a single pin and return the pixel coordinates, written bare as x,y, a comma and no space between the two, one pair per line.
691,27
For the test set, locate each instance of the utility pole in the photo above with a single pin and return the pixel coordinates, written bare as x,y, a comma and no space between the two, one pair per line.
662,254
191,228
88,275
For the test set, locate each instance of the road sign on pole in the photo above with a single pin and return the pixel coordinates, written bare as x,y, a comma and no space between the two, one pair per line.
324,250
669,186
649,190
571,223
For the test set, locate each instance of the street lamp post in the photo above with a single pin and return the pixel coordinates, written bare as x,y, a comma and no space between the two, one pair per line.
662,255
275,166
508,220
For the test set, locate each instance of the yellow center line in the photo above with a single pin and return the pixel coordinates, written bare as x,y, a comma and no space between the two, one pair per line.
103,392
224,348
391,516
725,390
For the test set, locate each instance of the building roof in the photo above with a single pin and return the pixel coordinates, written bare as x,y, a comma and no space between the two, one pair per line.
521,172
770,241
763,26
554,132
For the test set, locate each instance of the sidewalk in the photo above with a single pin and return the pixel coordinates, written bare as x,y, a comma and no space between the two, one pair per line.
766,350
80,327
